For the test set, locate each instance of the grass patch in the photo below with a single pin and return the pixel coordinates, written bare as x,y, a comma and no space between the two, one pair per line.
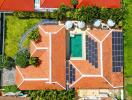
15,28
128,40
129,89
127,50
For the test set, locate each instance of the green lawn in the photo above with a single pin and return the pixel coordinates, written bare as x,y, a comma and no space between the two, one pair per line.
128,40
128,51
15,28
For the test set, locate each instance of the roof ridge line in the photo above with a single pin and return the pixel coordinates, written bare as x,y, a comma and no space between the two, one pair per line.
107,35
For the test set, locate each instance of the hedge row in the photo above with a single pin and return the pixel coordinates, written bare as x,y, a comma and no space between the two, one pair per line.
87,14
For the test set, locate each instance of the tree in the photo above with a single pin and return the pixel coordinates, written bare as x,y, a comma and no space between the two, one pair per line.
52,95
74,3
22,58
34,35
6,62
34,61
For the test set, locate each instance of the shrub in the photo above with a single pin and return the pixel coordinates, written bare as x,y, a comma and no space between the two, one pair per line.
47,14
11,88
34,61
7,62
69,14
80,14
28,14
34,35
74,3
52,94
104,14
87,14
22,58
1,62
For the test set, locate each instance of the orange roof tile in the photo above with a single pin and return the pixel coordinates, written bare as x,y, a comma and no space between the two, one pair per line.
100,3
38,85
99,34
58,60
53,37
92,83
85,67
115,78
16,5
59,56
51,4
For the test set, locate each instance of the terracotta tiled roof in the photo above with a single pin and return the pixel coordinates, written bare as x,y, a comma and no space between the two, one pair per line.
52,4
51,50
100,3
38,77
115,78
99,34
38,85
109,79
17,5
59,56
92,83
85,67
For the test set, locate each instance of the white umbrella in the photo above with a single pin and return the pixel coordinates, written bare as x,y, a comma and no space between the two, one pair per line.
68,24
97,23
81,24
110,22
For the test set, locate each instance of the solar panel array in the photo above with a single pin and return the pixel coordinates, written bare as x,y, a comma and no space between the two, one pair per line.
117,51
67,71
91,51
72,74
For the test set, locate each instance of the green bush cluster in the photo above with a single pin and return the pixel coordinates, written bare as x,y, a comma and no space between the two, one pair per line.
52,95
74,3
87,14
34,35
6,62
10,88
23,59
34,61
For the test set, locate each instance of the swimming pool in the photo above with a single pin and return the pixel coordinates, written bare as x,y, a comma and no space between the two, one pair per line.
76,45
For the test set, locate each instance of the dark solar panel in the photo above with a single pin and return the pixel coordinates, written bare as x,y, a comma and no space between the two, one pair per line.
67,77
67,71
72,74
91,51
117,51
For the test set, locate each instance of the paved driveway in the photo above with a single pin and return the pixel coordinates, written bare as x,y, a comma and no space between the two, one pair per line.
8,77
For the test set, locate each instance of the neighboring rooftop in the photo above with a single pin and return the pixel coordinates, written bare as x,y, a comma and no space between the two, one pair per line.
16,5
42,5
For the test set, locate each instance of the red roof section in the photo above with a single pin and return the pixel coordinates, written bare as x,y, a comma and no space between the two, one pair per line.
54,4
53,41
92,83
109,79
100,3
35,76
59,56
17,5
38,85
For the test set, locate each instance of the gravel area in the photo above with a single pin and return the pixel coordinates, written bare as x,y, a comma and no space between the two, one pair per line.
8,77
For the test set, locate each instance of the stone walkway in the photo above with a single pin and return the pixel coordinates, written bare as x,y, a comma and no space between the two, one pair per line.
8,77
